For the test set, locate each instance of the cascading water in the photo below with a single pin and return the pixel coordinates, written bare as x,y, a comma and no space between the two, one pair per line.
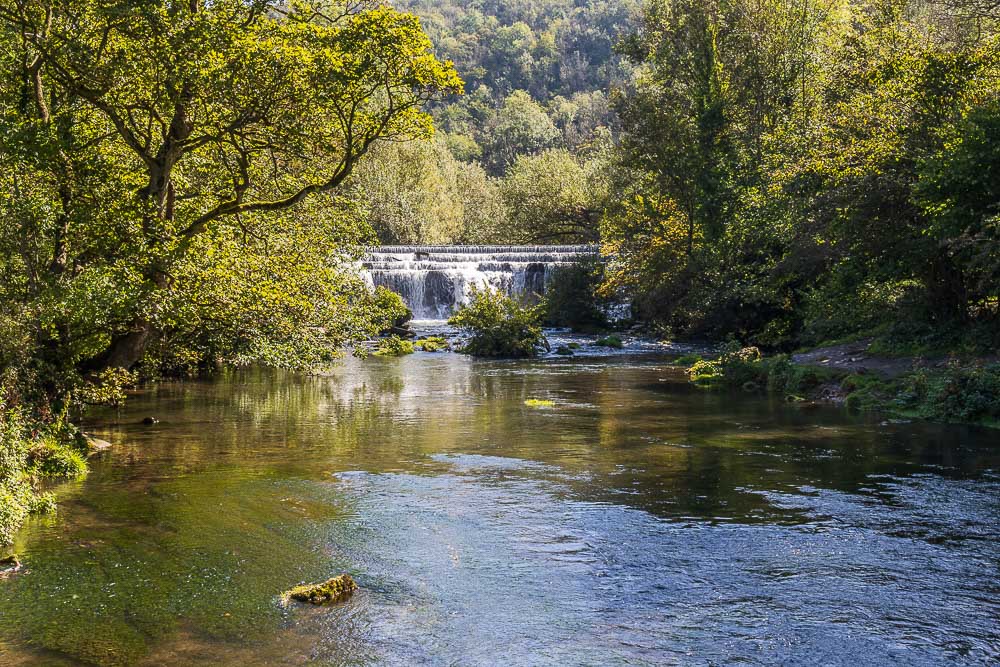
434,280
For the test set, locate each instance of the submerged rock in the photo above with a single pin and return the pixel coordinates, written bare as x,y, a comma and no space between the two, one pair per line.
95,444
150,421
333,590
9,566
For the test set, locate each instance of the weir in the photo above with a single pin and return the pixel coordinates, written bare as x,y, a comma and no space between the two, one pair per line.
435,280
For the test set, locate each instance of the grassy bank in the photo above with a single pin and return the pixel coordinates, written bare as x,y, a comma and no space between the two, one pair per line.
957,392
28,454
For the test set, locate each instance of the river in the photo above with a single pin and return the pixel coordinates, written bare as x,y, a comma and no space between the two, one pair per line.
636,521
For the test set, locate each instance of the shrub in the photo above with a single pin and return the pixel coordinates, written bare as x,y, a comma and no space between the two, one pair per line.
390,310
393,346
735,367
966,394
499,327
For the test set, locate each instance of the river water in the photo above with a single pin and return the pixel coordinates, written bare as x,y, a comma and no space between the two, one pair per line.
635,521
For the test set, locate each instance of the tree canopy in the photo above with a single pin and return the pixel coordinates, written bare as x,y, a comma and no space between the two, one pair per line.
171,171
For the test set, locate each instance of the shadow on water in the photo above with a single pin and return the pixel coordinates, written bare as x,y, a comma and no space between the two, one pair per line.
636,521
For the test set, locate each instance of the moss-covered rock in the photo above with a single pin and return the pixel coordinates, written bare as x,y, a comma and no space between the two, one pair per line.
614,342
433,344
9,566
394,346
330,591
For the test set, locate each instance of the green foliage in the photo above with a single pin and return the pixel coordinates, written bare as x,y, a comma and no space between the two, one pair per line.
108,388
157,207
745,368
498,326
795,172
53,459
394,346
390,307
29,451
957,394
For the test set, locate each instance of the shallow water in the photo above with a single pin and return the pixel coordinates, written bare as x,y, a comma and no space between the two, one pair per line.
638,521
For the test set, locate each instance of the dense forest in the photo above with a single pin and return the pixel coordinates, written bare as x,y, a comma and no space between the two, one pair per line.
186,184
783,172
523,156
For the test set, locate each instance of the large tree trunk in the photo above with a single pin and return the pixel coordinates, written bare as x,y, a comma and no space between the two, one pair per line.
125,350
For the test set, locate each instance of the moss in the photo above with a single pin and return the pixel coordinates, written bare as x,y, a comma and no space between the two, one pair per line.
613,342
332,590
536,403
574,346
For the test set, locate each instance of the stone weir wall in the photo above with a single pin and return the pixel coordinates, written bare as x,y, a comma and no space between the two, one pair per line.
435,280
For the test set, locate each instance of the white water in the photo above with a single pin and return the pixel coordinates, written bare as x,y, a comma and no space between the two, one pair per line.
434,280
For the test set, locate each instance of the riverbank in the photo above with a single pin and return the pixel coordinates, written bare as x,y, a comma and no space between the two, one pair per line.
946,390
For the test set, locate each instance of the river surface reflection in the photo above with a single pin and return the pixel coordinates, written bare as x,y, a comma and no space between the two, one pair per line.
636,521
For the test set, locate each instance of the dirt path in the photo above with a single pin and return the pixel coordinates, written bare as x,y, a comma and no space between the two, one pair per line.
854,358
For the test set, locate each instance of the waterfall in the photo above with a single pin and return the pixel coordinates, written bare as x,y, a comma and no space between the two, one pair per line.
434,280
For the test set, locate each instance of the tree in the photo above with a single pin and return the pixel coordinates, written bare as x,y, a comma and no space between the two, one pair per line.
149,143
553,198
519,127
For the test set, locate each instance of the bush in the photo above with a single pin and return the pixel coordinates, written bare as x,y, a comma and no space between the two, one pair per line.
964,394
499,327
391,309
687,360
393,346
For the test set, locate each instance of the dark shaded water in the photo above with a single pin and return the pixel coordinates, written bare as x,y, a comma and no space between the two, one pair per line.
638,521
